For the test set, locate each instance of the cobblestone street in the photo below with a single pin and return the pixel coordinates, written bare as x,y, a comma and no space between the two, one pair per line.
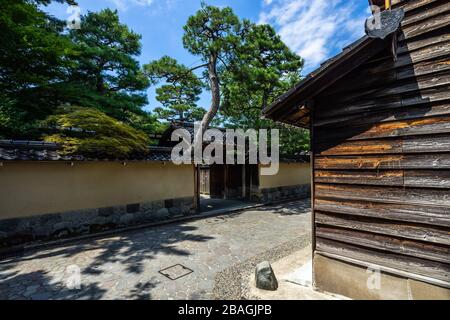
127,266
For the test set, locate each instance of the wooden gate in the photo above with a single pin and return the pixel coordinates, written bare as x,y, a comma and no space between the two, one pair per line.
204,180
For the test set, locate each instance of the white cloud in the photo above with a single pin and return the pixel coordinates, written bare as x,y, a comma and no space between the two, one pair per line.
313,29
123,5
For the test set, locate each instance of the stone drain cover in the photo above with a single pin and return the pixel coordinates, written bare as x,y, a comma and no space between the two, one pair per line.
175,272
215,220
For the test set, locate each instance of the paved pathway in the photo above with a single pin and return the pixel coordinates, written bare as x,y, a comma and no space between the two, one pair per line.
127,266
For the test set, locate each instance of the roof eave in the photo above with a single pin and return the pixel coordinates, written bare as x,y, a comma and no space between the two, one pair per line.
322,78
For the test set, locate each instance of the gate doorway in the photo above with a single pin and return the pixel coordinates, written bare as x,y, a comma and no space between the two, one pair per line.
221,186
204,181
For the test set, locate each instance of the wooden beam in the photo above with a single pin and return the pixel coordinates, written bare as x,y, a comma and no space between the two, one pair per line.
419,196
405,212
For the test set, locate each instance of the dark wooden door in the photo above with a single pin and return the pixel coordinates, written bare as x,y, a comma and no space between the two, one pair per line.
205,181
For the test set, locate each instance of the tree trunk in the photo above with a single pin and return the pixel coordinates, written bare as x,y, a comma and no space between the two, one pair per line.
215,96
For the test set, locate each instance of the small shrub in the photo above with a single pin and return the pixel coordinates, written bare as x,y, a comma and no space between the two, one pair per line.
93,134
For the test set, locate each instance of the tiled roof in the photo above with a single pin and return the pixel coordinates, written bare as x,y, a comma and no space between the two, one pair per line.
43,151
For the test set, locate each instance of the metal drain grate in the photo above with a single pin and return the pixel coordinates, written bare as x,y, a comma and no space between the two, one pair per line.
175,272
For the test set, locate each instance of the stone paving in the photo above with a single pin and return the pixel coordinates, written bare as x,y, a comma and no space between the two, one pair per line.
127,266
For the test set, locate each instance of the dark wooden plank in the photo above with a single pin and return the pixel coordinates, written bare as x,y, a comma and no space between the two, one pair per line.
321,80
434,143
435,270
410,86
425,26
402,178
432,197
427,179
411,144
363,147
436,8
413,127
374,177
415,44
426,61
329,108
425,68
426,233
434,252
402,212
409,6
408,113
405,161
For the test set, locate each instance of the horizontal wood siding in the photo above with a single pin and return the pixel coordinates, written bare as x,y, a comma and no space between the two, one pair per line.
382,153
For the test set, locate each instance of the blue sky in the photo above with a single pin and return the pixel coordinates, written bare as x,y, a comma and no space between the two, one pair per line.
315,29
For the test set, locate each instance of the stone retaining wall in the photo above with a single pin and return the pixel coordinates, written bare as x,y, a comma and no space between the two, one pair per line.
269,195
60,225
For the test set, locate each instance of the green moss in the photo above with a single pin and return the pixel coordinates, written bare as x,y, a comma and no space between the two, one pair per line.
91,133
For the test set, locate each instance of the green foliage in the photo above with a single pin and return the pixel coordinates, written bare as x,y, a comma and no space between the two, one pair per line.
107,75
42,67
246,66
262,69
33,57
92,133
293,140
180,91
212,31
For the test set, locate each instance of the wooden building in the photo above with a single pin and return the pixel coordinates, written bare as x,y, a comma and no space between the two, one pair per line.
379,115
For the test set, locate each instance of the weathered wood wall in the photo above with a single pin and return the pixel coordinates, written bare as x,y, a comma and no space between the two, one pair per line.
382,153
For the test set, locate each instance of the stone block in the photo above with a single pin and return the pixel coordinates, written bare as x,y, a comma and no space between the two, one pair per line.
100,220
186,210
105,212
265,277
175,211
79,216
45,220
133,208
119,210
162,213
147,207
9,225
126,219
62,226
168,203
158,204
43,231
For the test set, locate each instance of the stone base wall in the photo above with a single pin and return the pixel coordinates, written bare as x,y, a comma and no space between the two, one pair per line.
269,195
61,225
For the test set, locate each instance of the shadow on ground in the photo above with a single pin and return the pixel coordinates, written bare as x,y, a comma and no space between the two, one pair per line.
43,275
288,208
130,249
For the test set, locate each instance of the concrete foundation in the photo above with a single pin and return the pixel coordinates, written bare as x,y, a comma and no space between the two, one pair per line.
356,282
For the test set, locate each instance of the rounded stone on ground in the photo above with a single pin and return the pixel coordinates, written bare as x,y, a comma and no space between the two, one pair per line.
265,277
